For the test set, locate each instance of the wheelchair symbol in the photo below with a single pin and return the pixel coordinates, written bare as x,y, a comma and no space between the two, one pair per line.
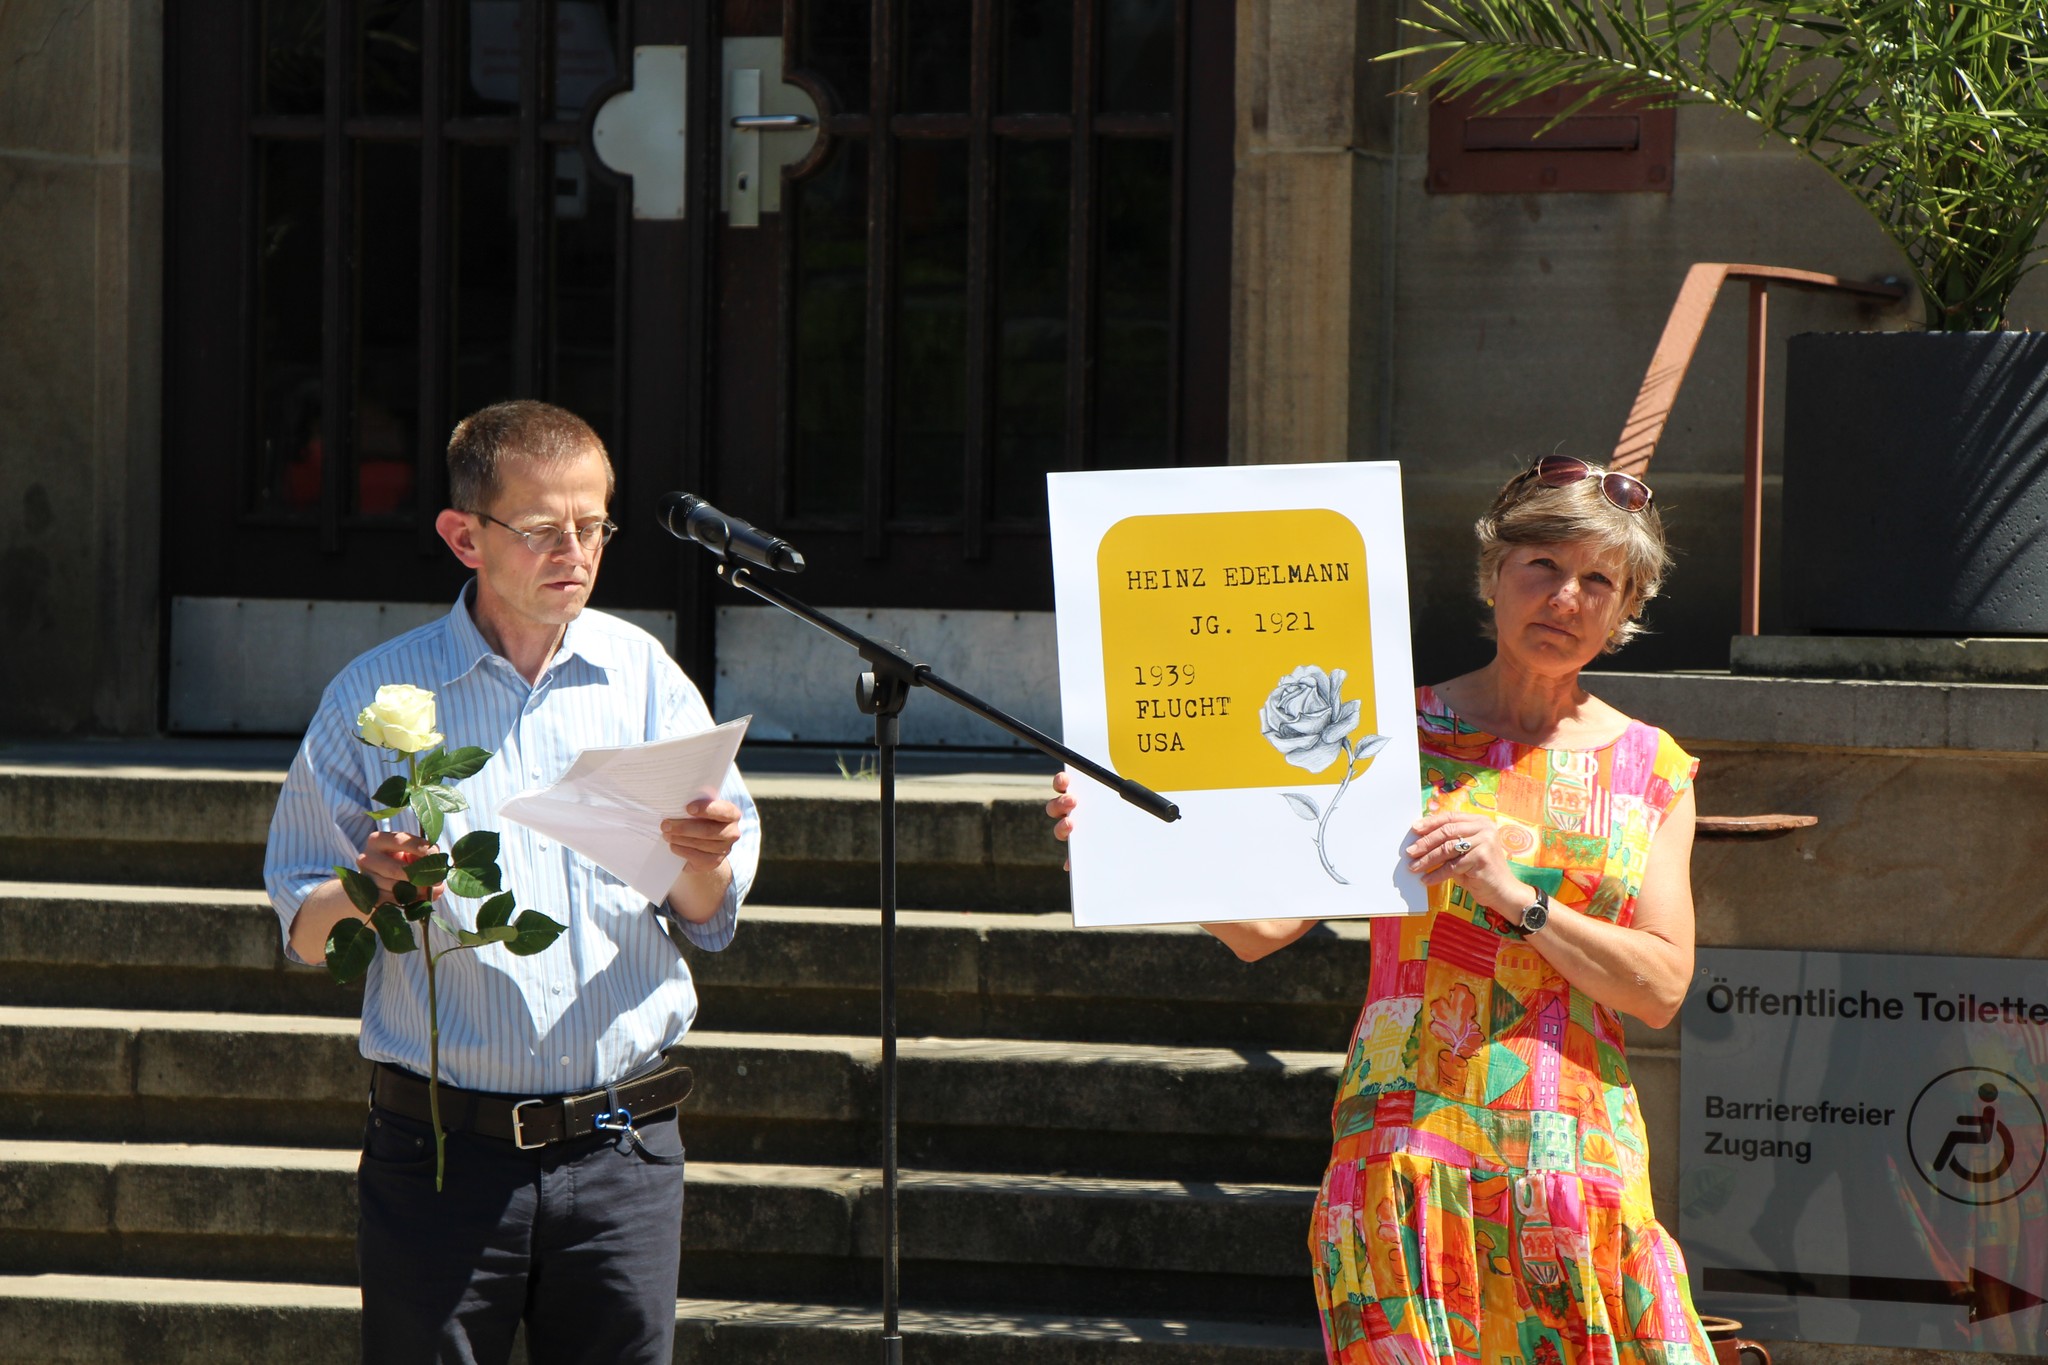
1984,1129
1975,1130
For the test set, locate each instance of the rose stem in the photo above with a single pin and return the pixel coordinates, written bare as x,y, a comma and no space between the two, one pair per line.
1331,809
412,777
434,1055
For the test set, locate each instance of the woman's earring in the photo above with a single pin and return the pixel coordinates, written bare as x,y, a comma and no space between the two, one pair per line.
1489,601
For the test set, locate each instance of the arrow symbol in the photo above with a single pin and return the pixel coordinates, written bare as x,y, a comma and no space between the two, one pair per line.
1985,1295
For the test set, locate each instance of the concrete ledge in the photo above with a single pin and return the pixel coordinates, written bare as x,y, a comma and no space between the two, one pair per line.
971,839
815,969
92,1320
269,1071
290,1212
1833,713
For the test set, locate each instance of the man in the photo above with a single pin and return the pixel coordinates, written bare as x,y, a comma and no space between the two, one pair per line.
553,1213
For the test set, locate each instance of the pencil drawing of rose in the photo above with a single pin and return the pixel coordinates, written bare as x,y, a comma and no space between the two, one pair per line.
1305,719
1310,723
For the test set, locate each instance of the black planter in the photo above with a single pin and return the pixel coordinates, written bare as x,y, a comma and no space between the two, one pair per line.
1916,483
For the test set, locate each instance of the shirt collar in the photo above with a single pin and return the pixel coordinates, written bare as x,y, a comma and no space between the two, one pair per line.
467,648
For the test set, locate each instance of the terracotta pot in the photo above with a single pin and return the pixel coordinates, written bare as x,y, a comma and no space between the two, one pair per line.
1730,1349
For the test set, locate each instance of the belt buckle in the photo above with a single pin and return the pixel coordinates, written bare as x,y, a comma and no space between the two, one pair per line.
519,1130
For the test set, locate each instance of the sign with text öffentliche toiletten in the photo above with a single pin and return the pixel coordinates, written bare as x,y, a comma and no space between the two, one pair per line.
1861,1147
1237,639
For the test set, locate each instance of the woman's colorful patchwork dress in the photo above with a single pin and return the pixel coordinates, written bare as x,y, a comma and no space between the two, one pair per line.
1488,1195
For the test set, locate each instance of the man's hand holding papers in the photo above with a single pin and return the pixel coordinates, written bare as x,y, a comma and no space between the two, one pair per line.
619,808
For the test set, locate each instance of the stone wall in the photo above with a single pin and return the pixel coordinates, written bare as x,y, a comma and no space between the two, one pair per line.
81,233
1464,334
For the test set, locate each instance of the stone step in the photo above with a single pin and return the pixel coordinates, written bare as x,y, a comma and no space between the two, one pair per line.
966,1103
751,1229
790,969
92,1320
969,839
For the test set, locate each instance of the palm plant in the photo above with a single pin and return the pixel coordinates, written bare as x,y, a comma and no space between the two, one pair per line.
1933,113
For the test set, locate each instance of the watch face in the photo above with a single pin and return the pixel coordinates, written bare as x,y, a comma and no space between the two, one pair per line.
1536,915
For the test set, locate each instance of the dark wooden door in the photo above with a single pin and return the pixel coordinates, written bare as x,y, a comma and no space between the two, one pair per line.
384,214
1006,253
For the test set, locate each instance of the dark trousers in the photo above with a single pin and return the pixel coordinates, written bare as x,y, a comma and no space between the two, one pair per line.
579,1240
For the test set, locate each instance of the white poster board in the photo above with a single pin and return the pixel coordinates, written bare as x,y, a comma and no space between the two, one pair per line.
1237,639
1862,1148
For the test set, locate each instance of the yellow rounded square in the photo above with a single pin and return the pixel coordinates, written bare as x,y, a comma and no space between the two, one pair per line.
1231,640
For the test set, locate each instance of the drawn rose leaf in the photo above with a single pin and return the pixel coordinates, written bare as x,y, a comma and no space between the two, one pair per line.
1303,807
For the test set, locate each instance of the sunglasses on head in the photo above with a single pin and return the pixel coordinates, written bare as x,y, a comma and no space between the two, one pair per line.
1625,491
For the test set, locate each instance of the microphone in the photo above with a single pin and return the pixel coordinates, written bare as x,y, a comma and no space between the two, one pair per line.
728,537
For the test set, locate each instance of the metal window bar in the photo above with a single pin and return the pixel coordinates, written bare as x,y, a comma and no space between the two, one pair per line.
979,447
1177,230
622,248
1082,238
533,199
1668,365
879,434
337,267
435,261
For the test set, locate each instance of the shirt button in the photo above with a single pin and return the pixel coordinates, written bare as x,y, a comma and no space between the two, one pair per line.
558,990
565,1061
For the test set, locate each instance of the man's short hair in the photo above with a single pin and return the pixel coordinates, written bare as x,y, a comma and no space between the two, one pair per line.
523,430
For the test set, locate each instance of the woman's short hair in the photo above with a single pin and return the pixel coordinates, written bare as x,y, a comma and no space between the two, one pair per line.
1526,512
520,430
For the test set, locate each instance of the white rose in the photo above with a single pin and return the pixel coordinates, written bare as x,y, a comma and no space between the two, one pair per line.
402,718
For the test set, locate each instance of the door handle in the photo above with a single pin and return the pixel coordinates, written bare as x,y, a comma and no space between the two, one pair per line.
774,123
758,101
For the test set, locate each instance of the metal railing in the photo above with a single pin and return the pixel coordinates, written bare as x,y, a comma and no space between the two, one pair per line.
1645,424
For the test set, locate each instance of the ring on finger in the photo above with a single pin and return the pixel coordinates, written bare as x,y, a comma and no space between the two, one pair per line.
1461,846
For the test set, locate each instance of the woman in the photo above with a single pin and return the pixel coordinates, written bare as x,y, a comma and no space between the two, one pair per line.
1488,1194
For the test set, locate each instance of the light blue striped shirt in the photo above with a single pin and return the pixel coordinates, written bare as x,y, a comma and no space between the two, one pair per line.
601,1003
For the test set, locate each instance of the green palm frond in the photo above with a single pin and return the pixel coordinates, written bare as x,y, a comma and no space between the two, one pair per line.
1932,113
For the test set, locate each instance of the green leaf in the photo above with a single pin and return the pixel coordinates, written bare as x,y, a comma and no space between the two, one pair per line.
392,929
495,912
446,798
418,910
481,882
362,890
460,763
503,933
407,893
392,793
427,870
426,812
476,848
536,932
351,945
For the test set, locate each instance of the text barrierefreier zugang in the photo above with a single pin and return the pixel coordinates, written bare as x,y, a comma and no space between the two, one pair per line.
1825,1002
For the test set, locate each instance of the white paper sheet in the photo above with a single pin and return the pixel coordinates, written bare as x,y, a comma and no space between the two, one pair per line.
610,804
1187,599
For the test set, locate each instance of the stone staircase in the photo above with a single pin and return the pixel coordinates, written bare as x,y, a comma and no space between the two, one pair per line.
1111,1138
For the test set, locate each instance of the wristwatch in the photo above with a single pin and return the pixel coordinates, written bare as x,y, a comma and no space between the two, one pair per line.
1536,916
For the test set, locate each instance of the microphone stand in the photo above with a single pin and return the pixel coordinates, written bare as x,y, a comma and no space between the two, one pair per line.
882,692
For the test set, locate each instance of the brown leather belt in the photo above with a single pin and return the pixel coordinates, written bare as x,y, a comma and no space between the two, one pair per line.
528,1123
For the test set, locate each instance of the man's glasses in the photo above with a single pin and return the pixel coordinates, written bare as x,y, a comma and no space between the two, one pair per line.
552,540
1625,491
